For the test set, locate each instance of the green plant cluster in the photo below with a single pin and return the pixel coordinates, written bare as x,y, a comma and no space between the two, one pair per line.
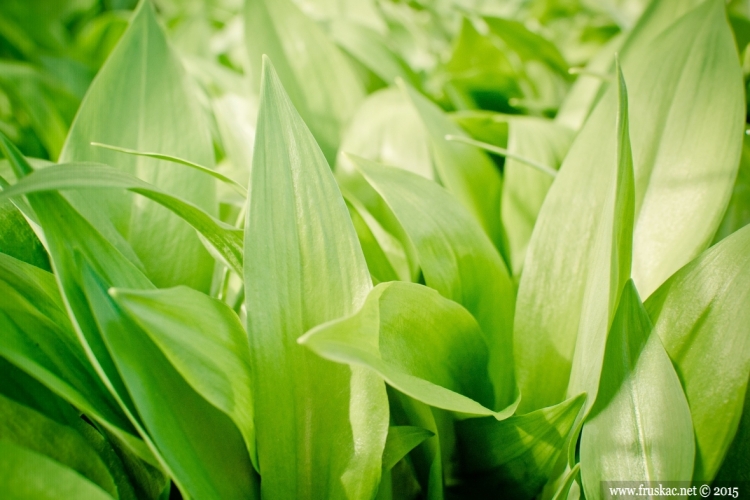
372,249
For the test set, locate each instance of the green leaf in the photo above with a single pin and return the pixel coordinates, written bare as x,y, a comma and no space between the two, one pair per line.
738,212
27,475
385,129
464,170
736,465
583,97
517,455
320,81
25,427
525,188
204,340
17,238
322,427
201,447
422,344
685,156
639,428
371,49
613,257
565,488
224,239
142,100
400,441
702,317
457,259
39,338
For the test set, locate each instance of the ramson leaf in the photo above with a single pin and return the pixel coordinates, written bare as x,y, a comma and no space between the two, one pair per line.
702,317
321,426
639,428
142,100
686,147
516,455
317,76
28,475
204,340
422,344
457,259
225,240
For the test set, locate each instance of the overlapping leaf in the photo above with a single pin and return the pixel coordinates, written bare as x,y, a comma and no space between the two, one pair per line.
640,428
702,317
685,148
322,426
150,106
319,79
456,258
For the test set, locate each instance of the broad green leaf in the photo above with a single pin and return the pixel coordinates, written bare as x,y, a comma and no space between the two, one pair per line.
613,257
204,340
17,238
225,240
322,426
685,148
400,441
457,259
319,79
371,49
142,100
422,344
388,130
25,427
39,339
702,317
589,88
736,466
464,170
201,449
639,428
516,455
738,211
525,188
27,475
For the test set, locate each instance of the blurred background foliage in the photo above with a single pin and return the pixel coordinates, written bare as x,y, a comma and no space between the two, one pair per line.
508,56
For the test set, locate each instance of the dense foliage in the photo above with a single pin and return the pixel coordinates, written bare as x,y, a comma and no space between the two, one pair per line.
372,249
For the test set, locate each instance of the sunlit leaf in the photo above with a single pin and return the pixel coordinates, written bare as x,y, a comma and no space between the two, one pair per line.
639,428
456,258
318,78
702,317
142,100
322,427
685,155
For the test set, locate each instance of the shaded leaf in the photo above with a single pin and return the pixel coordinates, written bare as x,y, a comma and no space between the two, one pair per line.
400,441
27,475
204,340
517,455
